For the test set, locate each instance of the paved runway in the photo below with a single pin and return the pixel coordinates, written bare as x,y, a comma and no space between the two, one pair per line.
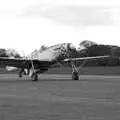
57,97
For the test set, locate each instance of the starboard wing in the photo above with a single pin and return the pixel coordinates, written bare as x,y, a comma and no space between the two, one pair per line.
85,58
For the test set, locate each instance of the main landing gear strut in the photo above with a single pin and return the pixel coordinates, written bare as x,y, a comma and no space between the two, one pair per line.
76,70
31,72
34,75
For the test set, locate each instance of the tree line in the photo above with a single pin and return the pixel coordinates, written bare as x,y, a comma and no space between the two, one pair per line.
91,49
100,50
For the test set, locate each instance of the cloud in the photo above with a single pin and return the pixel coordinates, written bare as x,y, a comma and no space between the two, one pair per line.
74,15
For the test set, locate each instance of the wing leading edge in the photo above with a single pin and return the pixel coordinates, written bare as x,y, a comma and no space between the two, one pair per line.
85,58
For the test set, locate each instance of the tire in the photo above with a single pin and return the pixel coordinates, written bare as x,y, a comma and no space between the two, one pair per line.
20,74
34,77
75,76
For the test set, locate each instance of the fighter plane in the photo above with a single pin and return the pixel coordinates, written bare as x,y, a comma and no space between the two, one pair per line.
40,62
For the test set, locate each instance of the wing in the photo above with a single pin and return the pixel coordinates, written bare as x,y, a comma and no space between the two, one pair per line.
22,62
85,58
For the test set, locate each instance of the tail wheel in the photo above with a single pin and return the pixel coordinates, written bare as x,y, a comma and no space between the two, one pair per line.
34,77
75,76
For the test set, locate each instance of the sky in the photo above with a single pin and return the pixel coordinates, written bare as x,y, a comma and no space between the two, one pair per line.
25,25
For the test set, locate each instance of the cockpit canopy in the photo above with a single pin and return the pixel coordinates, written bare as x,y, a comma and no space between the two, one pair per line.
56,52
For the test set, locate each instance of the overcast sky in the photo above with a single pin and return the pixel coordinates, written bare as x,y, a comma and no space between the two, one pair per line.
28,24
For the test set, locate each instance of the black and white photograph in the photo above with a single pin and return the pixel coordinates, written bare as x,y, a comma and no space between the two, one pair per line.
59,60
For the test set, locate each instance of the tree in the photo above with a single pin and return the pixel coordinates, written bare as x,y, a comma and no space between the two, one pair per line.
12,53
98,50
3,53
86,44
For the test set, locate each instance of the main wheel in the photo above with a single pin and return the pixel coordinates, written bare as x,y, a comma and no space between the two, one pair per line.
34,77
20,74
75,76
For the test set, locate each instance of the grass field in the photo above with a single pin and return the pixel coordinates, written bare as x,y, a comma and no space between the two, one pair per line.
91,98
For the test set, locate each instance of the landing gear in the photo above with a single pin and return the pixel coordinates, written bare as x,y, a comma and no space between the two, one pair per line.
75,75
75,72
34,77
21,73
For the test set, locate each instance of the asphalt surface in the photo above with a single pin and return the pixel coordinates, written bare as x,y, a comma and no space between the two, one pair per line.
57,97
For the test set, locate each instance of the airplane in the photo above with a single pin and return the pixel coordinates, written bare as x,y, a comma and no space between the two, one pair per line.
39,62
